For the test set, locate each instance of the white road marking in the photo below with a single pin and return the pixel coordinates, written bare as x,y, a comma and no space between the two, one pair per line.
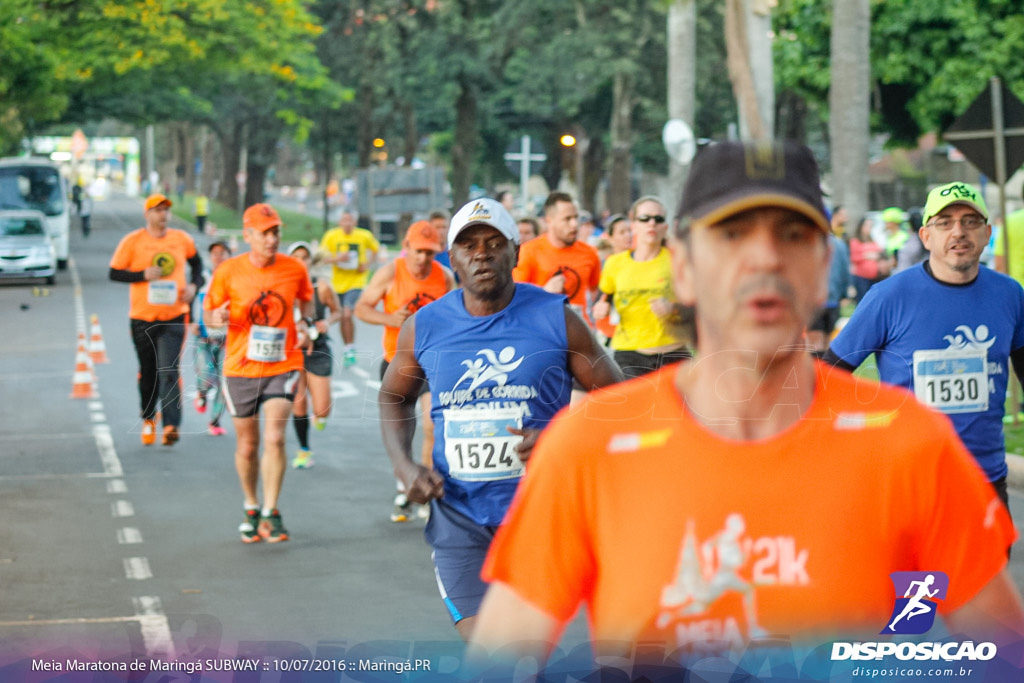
343,389
116,486
129,535
156,632
108,455
137,568
122,508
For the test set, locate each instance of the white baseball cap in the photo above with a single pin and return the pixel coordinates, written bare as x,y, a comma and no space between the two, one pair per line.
485,211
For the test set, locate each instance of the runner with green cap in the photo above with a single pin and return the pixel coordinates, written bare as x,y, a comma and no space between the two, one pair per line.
947,327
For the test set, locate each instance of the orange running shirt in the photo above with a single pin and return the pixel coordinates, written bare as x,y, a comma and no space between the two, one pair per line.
157,299
408,292
263,297
672,534
539,261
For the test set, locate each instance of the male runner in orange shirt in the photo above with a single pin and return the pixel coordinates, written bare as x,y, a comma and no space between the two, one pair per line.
153,260
750,492
254,294
406,285
557,261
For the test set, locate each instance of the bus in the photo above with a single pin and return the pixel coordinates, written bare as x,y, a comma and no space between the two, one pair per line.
36,183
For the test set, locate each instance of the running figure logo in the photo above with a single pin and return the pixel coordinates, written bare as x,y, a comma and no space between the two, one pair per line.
419,301
914,613
493,366
964,337
268,310
704,576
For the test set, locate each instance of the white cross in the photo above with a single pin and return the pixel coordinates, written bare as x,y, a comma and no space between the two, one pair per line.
524,158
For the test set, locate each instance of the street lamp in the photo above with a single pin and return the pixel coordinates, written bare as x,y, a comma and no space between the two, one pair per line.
568,140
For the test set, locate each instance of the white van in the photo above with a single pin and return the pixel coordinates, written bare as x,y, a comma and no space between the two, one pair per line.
35,183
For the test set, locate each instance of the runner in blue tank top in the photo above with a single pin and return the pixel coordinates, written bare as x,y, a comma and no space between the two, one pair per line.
500,359
947,328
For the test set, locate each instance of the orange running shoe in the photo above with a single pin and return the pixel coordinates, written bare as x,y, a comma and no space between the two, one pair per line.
171,435
148,432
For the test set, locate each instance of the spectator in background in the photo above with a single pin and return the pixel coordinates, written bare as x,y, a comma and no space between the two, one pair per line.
202,208
913,250
895,235
85,213
439,219
1012,264
819,332
528,229
868,262
587,228
508,200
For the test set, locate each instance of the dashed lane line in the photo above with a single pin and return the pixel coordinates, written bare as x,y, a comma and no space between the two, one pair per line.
153,624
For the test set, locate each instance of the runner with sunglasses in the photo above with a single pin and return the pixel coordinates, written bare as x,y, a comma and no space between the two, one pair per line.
653,328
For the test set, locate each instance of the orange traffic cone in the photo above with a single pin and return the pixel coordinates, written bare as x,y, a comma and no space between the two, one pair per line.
97,348
82,383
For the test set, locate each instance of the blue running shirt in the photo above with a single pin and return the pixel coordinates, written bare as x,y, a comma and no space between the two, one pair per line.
949,344
487,373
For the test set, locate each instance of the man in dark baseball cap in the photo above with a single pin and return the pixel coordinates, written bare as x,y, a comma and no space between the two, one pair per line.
655,499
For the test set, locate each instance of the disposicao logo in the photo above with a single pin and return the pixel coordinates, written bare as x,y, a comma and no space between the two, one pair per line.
914,613
917,602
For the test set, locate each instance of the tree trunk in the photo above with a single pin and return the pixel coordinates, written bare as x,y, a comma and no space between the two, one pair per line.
466,140
593,165
849,105
620,191
411,140
231,149
682,81
364,127
749,60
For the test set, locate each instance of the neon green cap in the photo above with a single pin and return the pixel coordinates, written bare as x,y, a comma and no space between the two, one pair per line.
953,193
893,215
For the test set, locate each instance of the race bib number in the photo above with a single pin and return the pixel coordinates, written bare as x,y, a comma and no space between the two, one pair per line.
952,381
349,260
477,445
162,292
266,344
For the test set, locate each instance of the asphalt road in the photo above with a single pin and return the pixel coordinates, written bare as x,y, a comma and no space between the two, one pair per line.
114,552
111,549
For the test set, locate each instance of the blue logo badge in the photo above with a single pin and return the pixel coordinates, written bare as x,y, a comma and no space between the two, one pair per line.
916,605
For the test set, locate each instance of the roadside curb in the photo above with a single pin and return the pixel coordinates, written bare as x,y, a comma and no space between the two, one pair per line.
1015,471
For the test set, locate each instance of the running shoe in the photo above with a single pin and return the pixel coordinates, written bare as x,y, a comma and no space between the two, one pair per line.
250,527
303,459
319,423
200,403
171,435
423,512
271,528
402,511
350,358
215,430
148,432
